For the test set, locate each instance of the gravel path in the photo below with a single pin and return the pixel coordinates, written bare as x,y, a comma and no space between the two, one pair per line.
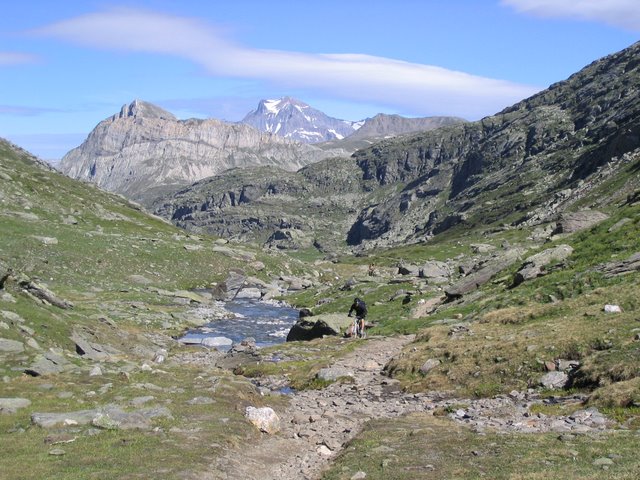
317,423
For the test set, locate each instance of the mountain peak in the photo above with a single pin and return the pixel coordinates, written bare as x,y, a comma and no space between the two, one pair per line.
291,118
140,108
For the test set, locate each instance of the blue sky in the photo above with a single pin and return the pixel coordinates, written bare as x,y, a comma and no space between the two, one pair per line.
66,65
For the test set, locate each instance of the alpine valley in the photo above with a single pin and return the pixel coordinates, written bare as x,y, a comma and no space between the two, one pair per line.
499,260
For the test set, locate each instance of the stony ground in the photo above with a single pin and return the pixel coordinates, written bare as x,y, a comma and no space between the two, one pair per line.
318,423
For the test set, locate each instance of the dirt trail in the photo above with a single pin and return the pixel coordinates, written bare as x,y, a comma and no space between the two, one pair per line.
318,423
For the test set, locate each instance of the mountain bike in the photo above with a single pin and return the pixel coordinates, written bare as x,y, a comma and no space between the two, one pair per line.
356,328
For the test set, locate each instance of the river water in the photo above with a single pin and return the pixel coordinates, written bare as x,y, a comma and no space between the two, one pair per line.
267,323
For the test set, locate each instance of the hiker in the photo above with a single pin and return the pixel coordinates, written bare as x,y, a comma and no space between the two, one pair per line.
360,308
372,269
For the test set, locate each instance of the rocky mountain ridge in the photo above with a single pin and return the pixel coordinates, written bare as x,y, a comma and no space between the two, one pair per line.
293,119
524,165
144,152
383,125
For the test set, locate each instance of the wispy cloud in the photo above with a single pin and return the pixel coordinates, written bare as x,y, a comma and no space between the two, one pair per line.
407,86
16,58
618,13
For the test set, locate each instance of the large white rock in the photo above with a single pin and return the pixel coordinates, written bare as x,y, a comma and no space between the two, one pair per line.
265,419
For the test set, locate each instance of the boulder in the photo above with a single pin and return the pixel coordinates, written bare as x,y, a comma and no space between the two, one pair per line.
110,417
308,328
429,365
482,248
92,350
43,293
10,346
623,267
10,405
216,342
332,374
48,363
251,293
570,222
554,380
534,266
228,289
405,269
5,273
476,279
265,419
434,271
294,284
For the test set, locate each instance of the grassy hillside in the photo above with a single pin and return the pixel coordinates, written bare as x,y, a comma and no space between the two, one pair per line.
127,276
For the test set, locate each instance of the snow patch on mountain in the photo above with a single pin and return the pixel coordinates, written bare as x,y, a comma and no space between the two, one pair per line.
293,119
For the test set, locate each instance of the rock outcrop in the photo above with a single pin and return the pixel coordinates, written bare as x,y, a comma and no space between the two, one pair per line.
308,328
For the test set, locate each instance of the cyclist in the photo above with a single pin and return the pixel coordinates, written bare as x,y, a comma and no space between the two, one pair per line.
360,309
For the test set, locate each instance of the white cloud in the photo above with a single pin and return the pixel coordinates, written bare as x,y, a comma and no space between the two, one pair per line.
618,13
408,86
15,58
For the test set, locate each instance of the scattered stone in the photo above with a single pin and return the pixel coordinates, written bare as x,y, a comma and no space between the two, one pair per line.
48,363
265,419
613,269
46,240
324,451
478,278
429,365
105,422
59,439
405,269
43,293
57,452
11,316
554,380
109,417
137,401
11,346
566,365
332,374
482,248
160,356
571,222
602,462
535,265
140,280
358,475
201,401
96,371
619,224
7,297
249,293
11,405
317,326
612,309
214,342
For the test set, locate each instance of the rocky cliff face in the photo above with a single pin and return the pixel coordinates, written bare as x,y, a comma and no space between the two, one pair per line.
522,166
144,152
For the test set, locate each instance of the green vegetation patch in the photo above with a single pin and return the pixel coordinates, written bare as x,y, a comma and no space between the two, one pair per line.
427,447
